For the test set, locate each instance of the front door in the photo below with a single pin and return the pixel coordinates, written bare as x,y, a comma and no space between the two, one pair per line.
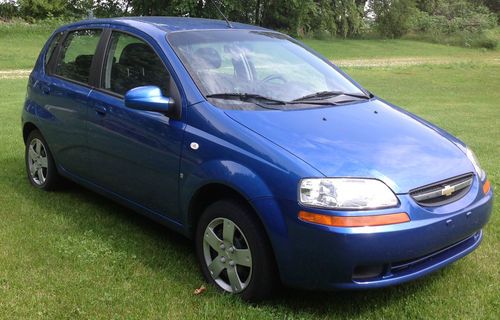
134,154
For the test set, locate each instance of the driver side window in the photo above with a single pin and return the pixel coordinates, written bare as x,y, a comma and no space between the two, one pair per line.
131,63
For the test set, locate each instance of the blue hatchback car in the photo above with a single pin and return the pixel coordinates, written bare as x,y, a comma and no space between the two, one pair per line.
280,167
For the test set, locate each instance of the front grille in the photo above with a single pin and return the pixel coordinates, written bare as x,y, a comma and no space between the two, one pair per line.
443,192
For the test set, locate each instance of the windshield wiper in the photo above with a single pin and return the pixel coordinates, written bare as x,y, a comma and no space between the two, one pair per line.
249,97
329,94
266,102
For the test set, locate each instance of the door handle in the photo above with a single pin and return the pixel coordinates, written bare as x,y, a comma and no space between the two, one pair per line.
45,89
101,110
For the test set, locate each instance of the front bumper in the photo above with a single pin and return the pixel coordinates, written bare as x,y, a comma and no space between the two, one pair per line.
319,257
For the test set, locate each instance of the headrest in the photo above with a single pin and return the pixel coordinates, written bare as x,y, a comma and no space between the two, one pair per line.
207,58
84,60
137,53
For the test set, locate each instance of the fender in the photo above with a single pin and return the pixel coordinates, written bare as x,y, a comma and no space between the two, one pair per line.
229,173
237,177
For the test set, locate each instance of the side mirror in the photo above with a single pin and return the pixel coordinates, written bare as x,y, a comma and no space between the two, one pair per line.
148,98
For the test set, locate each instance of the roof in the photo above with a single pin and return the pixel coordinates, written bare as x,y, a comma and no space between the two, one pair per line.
171,24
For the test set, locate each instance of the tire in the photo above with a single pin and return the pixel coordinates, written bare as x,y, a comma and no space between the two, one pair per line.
244,265
40,165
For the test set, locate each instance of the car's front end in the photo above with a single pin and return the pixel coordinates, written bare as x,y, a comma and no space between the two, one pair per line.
388,196
372,250
397,199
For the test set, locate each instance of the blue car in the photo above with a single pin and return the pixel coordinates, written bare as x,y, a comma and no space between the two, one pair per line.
281,168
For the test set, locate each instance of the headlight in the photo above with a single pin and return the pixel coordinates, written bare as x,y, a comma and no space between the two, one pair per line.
345,193
475,162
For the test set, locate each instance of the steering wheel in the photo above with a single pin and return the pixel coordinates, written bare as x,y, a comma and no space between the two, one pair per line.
274,77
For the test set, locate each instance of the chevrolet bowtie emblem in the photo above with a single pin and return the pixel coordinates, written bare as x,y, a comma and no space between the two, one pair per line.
447,190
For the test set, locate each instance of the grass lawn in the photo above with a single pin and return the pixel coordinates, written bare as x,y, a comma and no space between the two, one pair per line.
21,44
375,49
74,254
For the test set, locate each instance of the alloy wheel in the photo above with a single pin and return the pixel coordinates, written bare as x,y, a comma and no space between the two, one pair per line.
38,161
227,255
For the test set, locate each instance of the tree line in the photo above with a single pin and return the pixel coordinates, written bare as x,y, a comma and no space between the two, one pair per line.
315,18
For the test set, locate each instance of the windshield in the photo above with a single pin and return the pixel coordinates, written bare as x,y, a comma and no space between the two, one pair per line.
241,69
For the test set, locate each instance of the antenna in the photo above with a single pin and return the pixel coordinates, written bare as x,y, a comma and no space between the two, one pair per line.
218,9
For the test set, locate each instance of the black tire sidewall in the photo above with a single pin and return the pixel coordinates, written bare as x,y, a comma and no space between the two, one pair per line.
264,274
52,176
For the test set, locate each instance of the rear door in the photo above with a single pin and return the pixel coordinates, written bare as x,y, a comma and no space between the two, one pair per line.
135,154
66,86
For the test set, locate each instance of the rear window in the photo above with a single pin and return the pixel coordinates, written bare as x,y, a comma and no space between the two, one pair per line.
77,53
53,44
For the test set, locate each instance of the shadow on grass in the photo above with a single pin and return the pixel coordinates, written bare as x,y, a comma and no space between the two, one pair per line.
362,303
168,253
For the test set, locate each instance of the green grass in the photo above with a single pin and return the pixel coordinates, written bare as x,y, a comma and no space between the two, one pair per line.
73,254
21,44
362,49
20,52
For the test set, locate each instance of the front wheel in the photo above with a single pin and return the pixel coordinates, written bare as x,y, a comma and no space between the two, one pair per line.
234,252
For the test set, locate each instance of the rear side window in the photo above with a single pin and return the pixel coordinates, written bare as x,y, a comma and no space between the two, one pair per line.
76,55
52,46
131,63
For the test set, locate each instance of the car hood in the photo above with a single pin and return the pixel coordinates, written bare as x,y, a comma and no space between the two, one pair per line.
370,139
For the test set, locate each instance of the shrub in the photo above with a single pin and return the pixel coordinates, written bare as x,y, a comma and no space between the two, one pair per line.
322,35
43,28
471,21
457,22
485,40
466,39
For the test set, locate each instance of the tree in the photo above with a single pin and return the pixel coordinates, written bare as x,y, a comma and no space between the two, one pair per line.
8,9
393,17
109,8
348,16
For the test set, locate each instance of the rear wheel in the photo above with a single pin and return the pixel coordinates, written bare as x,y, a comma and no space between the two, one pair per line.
234,252
40,166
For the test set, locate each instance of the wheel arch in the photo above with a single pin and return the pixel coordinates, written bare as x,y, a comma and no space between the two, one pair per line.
28,127
218,179
210,193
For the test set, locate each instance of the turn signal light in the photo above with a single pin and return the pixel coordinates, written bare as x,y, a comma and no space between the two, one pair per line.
359,221
486,187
